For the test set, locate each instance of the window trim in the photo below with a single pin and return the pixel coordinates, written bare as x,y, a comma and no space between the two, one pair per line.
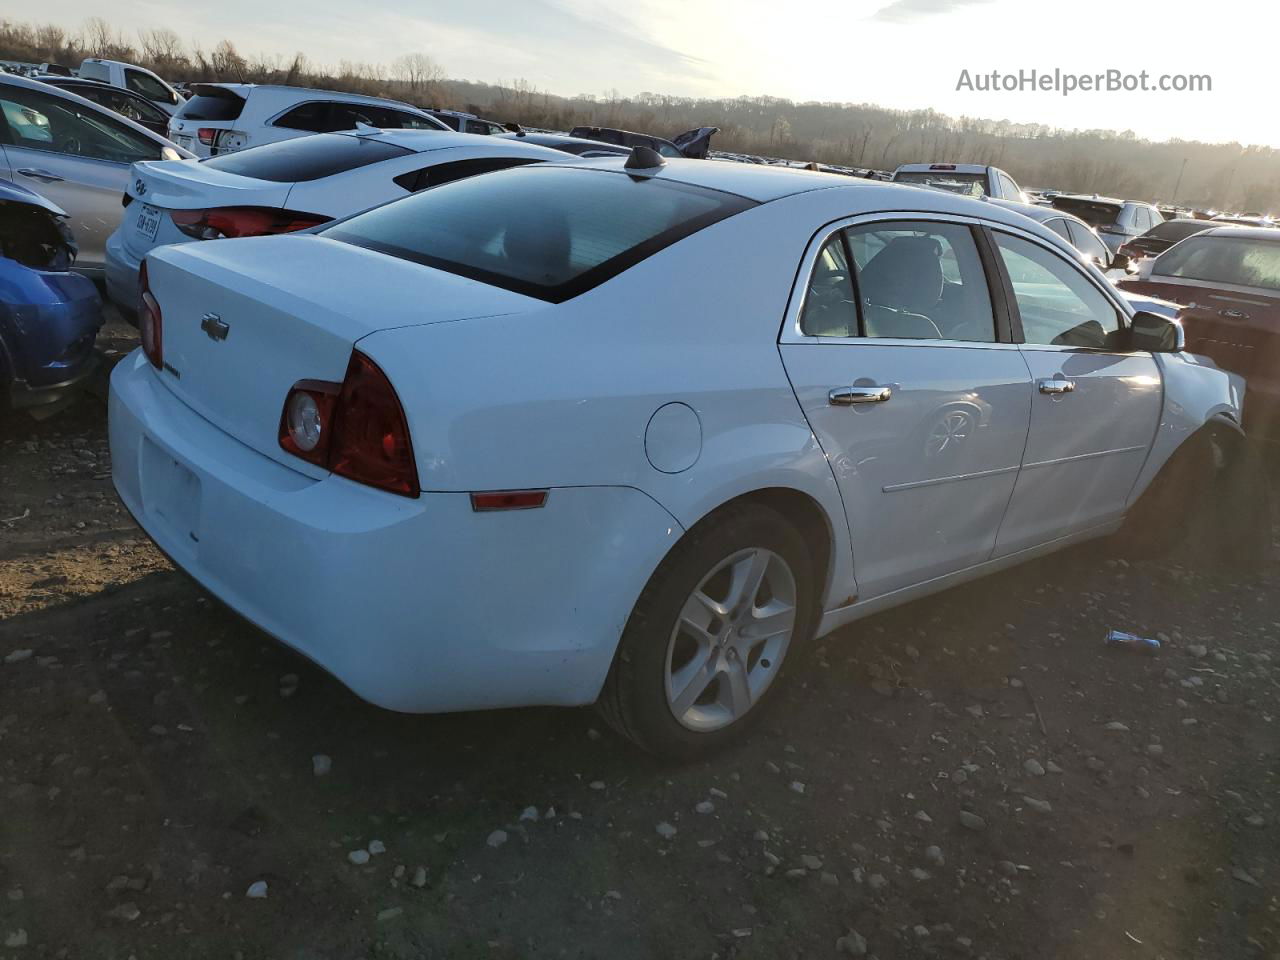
1121,306
792,333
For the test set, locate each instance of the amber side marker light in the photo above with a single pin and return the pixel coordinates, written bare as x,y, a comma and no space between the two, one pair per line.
508,500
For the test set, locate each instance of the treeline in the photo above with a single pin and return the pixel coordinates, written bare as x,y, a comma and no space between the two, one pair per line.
1229,176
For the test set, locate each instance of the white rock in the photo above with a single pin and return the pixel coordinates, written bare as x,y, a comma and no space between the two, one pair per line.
665,830
933,854
810,862
797,786
706,806
377,846
497,838
321,765
358,857
1039,806
16,657
529,813
1116,726
257,890
923,817
419,877
16,939
596,784
1033,767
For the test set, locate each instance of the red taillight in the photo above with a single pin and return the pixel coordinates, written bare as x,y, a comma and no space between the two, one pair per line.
219,222
150,322
508,500
208,135
357,428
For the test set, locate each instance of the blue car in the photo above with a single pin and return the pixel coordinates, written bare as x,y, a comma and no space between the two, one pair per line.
49,316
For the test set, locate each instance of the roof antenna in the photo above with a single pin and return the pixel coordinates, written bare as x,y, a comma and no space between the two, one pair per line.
644,158
365,129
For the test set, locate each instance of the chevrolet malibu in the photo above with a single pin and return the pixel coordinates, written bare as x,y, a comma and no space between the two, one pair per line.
633,433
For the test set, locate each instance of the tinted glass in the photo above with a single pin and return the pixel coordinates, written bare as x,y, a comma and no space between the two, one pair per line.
830,309
921,281
549,232
148,86
60,126
1058,226
305,158
1090,211
1232,260
222,106
1176,230
312,117
433,176
1087,242
135,108
1056,301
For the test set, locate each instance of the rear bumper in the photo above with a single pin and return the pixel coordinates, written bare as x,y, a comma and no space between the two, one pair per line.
416,605
24,396
122,277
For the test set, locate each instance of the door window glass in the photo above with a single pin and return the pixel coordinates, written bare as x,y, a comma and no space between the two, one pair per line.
61,126
148,86
921,281
1057,302
1087,242
829,306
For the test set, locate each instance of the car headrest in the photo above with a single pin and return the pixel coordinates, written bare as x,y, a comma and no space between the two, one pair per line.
905,275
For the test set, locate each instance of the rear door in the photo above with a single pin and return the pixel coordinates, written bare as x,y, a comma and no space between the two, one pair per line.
1095,407
76,156
903,367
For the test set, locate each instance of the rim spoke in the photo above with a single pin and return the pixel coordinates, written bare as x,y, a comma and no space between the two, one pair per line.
696,617
693,681
699,600
778,618
737,689
748,574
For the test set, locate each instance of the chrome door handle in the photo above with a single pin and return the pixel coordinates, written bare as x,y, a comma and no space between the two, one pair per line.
39,174
848,396
1054,387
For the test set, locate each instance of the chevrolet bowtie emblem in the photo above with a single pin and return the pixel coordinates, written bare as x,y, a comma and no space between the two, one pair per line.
215,326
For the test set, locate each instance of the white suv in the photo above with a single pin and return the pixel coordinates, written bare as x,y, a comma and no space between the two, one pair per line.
225,117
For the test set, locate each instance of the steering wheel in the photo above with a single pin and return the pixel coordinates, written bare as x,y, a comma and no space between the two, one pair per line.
68,145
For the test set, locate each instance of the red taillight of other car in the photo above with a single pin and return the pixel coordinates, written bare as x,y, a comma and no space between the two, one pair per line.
220,222
356,428
208,135
150,321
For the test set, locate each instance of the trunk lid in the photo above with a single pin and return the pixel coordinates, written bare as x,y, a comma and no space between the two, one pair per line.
1239,330
184,185
246,319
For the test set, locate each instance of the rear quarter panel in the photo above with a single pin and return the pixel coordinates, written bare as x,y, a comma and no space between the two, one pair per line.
563,395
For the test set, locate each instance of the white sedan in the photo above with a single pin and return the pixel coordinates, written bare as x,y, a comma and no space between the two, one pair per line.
290,185
568,434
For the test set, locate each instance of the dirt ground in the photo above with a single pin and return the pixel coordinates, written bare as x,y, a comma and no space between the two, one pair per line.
971,776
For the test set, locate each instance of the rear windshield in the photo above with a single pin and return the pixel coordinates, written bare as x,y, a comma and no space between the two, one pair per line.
212,106
1090,211
968,184
1219,260
547,232
305,158
1178,229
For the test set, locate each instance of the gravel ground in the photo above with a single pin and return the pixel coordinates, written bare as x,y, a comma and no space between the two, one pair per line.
975,775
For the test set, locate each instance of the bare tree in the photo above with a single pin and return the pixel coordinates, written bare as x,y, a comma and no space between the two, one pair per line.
161,46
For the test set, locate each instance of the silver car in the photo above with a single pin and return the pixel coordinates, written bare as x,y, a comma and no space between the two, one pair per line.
75,153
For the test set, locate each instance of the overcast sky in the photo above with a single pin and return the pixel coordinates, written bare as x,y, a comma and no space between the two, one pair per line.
897,53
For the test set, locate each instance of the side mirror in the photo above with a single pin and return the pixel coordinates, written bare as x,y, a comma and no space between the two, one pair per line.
1156,333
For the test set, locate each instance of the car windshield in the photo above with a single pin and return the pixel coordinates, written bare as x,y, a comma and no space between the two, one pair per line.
306,158
968,184
1237,261
548,232
1090,211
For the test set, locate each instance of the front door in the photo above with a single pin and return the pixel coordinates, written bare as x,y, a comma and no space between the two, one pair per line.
1095,408
76,156
921,409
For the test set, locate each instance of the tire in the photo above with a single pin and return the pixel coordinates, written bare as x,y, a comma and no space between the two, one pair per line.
743,655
